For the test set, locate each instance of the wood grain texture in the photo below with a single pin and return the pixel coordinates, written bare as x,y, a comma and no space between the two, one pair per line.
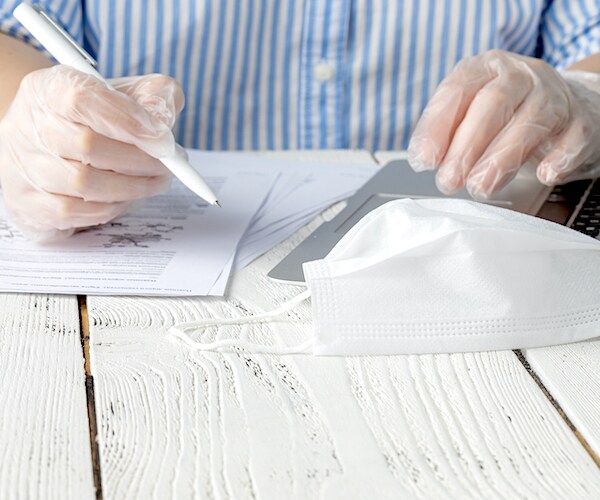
571,373
179,423
44,436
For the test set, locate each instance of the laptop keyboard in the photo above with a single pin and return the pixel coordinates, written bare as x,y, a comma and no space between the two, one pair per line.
587,219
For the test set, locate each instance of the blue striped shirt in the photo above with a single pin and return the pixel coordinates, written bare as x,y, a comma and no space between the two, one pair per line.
274,74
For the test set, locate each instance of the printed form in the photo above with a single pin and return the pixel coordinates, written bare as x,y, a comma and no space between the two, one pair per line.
171,244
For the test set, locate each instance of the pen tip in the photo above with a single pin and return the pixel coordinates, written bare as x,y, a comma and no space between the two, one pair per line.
218,204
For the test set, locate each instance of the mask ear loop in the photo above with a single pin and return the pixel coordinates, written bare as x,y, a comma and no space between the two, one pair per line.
179,331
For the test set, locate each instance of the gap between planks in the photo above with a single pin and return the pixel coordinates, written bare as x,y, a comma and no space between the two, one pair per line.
557,407
84,328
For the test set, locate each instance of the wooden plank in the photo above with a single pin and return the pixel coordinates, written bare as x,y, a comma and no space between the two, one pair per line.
179,423
571,374
44,436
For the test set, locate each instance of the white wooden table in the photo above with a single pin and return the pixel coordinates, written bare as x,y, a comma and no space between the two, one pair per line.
147,418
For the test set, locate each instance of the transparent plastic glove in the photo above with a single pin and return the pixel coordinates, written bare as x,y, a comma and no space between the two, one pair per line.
498,112
74,153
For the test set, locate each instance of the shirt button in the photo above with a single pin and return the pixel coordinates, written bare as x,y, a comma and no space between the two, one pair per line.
323,72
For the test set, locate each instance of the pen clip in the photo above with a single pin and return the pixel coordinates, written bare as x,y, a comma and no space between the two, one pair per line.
68,38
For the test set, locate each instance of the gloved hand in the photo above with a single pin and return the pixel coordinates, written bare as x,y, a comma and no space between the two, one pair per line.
74,153
499,111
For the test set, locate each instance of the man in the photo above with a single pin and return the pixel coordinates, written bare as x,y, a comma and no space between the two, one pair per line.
294,74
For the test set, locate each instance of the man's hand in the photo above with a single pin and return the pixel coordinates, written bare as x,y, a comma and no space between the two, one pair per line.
499,111
74,153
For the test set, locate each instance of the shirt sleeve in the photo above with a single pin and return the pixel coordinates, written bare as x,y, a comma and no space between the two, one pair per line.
68,14
569,31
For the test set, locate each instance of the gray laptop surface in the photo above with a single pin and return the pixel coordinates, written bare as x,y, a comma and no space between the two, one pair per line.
397,180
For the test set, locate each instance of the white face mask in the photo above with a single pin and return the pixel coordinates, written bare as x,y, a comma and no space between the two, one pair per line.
443,275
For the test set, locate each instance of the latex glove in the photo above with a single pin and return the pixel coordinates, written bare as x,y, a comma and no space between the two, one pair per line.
74,153
499,111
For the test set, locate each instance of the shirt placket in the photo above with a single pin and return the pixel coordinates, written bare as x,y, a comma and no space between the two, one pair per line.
321,72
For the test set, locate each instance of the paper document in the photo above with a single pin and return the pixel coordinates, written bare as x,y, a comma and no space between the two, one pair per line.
171,244
175,244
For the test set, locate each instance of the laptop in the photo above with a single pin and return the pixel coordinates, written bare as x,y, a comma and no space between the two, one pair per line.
576,205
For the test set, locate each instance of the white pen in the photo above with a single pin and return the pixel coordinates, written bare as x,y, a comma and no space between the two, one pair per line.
66,51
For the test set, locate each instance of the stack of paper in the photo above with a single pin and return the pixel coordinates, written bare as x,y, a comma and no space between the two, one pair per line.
175,244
